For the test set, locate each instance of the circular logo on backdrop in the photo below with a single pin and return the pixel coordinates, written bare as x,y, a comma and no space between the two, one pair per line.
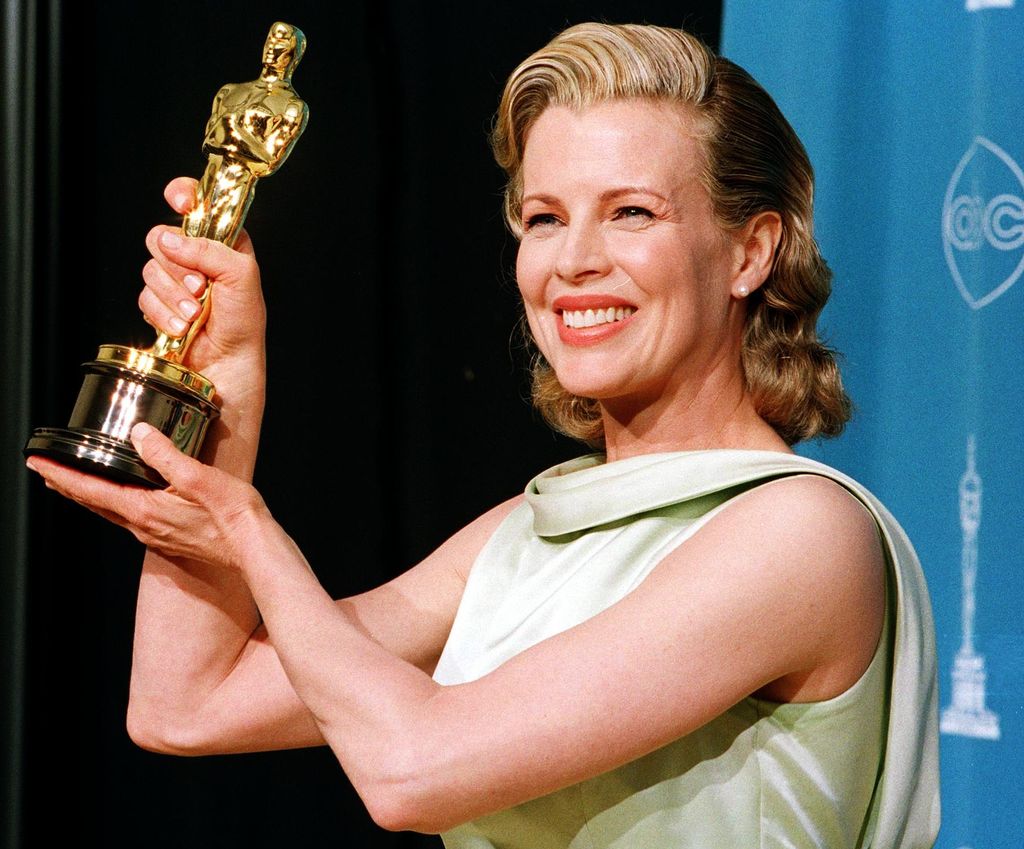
983,223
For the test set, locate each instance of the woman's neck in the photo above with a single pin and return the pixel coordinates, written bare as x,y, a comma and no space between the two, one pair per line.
716,414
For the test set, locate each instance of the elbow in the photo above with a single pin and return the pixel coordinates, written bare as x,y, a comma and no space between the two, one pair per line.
397,809
389,812
147,735
155,731
408,792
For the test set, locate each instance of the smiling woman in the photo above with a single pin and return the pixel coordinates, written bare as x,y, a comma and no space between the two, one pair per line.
741,158
680,641
614,214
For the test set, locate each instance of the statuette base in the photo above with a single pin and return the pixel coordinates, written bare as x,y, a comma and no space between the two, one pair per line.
124,386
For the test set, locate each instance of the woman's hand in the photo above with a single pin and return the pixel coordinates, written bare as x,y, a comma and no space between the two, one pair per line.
205,514
180,270
230,349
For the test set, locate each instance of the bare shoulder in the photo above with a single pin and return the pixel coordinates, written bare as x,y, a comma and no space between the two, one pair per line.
449,564
412,614
462,548
807,555
818,509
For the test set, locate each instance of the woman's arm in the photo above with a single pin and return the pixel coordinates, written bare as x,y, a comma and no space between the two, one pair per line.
221,688
796,605
193,622
784,589
205,678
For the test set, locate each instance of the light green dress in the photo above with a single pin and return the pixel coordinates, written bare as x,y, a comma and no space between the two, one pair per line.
859,770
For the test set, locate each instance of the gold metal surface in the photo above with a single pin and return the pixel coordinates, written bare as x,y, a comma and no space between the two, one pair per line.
145,363
252,129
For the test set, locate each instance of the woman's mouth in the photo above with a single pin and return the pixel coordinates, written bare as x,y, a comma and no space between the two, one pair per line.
592,318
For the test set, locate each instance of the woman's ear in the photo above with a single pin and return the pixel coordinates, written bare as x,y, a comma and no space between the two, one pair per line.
757,241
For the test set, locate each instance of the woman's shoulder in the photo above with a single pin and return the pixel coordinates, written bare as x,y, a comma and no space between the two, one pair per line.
461,549
810,523
815,499
804,557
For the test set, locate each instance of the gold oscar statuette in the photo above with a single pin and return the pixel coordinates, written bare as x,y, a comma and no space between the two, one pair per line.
252,128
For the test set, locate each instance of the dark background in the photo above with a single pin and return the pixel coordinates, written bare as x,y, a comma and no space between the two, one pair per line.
397,380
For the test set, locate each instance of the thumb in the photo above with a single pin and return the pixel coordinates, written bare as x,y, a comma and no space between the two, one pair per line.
181,194
158,452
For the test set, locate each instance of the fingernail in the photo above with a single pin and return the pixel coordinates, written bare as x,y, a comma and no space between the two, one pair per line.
170,239
140,431
188,309
32,464
180,201
194,283
177,325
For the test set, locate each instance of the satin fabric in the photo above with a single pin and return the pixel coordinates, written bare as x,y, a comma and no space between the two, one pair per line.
859,770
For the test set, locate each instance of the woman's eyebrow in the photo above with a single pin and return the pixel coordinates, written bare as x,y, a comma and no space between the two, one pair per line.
539,197
623,191
607,195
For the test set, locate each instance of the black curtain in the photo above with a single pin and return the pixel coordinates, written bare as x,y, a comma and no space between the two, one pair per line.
396,376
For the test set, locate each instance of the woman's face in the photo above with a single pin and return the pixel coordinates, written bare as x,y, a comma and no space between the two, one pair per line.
624,273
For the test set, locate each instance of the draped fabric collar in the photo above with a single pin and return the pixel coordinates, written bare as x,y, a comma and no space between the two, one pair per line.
587,491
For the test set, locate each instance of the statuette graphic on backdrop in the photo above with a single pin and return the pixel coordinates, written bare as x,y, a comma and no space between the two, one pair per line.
967,714
983,223
253,127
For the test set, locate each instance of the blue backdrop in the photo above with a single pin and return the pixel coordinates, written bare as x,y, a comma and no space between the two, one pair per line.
913,115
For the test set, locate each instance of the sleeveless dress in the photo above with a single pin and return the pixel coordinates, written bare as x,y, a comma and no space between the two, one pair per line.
858,770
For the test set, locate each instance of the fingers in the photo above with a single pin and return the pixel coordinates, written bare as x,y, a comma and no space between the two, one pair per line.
180,270
180,255
104,497
116,501
202,515
130,507
181,194
214,259
169,302
224,503
184,474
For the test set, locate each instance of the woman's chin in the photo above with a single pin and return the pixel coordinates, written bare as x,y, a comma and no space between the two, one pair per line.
601,387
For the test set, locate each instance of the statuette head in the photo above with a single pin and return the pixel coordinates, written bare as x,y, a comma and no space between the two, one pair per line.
283,49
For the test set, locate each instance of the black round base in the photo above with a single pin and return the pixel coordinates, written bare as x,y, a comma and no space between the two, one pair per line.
124,386
95,453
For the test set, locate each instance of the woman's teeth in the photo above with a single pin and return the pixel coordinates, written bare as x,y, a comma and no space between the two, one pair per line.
590,318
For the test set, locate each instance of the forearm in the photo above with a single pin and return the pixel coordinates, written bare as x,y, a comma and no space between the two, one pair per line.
192,624
193,621
233,441
209,678
374,709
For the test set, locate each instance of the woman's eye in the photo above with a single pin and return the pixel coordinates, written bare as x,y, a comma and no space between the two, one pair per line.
543,219
633,212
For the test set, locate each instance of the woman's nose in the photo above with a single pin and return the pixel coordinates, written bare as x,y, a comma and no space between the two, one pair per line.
582,254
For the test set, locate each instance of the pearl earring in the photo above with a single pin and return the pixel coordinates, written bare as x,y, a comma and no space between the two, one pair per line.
742,291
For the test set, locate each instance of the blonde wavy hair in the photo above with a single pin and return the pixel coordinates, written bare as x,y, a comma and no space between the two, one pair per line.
753,162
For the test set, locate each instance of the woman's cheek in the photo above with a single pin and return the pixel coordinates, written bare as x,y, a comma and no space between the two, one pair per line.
533,269
537,331
525,275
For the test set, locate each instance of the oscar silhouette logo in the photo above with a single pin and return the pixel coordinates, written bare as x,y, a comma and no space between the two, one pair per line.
253,127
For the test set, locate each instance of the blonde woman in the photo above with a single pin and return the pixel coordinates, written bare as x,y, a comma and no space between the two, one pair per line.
691,638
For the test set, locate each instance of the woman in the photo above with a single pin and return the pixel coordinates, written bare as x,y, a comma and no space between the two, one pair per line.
695,638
